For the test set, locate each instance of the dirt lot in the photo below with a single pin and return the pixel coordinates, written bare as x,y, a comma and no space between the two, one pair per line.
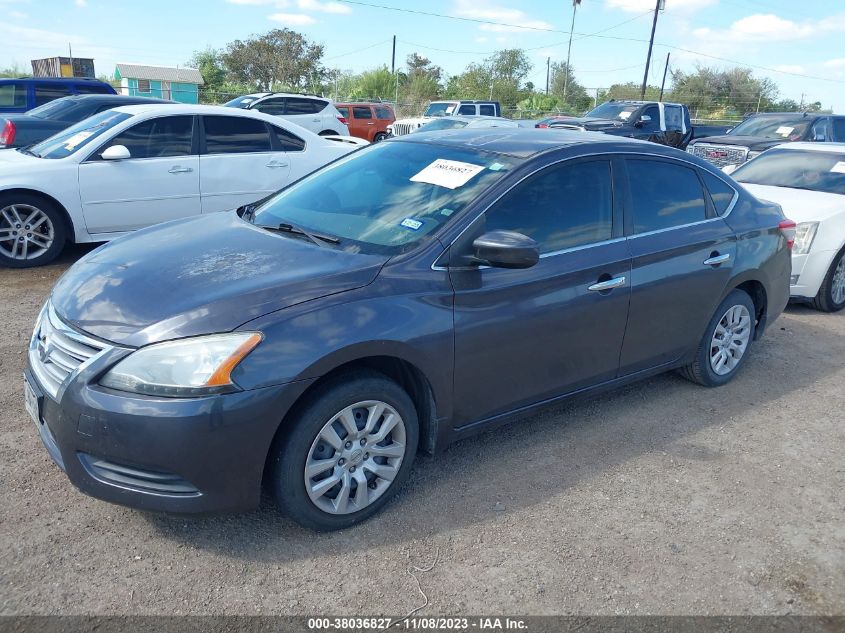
660,498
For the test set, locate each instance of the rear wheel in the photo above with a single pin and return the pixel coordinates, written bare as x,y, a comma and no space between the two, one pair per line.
32,230
349,450
831,296
726,341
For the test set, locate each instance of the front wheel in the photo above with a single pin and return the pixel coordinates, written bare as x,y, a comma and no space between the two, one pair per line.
831,296
349,450
32,231
379,137
726,341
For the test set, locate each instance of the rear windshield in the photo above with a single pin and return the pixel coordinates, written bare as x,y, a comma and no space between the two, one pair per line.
796,169
790,127
59,109
78,136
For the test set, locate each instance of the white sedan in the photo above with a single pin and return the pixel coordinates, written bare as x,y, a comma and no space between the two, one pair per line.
135,166
808,181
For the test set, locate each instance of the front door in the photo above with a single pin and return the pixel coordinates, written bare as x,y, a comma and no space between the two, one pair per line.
683,257
522,336
159,182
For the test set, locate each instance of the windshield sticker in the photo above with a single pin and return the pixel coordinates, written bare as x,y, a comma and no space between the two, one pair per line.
784,130
447,212
624,115
76,139
411,223
496,167
450,174
838,168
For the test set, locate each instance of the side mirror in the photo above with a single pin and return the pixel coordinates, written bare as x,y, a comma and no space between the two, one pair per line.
116,152
506,249
643,120
819,138
729,169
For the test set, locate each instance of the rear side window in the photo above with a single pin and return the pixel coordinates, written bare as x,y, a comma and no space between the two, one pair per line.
466,109
296,105
288,141
92,89
721,193
271,106
674,117
664,195
235,135
562,207
487,110
44,93
12,95
344,111
157,138
362,112
839,129
384,113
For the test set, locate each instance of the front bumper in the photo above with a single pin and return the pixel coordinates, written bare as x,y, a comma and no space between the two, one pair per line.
163,454
808,273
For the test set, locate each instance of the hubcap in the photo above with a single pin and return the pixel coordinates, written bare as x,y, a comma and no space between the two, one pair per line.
730,340
837,289
355,457
25,231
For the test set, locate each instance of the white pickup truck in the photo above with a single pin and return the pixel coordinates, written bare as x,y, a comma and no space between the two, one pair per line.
438,109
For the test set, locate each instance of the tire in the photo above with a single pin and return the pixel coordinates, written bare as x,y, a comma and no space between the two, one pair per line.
349,462
22,248
379,137
831,296
716,364
329,133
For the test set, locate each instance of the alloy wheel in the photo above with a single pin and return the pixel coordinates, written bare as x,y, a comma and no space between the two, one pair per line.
730,340
355,457
837,286
26,232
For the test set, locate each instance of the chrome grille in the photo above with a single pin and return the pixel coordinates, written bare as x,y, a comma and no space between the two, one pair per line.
400,129
56,351
720,155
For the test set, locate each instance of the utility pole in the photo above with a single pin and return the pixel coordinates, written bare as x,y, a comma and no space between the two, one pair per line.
759,99
801,106
393,58
665,70
657,6
395,76
575,4
548,68
70,54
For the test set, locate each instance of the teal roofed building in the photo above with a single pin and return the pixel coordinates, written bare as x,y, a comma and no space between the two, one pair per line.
163,82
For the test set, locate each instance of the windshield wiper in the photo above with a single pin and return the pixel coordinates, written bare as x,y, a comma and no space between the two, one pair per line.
318,238
29,152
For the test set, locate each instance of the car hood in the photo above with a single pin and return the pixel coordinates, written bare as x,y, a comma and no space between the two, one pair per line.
199,276
753,143
801,205
11,159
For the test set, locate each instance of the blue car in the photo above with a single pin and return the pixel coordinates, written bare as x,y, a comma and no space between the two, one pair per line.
26,93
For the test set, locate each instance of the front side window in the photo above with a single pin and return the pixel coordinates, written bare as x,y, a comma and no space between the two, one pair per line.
235,135
562,207
839,129
44,93
157,138
820,130
362,112
467,109
275,106
386,198
77,136
654,113
674,117
13,95
796,169
664,195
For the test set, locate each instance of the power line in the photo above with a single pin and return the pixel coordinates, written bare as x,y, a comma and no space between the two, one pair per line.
358,50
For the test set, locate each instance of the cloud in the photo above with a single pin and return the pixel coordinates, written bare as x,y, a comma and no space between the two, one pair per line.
517,20
768,27
18,15
292,19
323,7
675,6
835,63
81,3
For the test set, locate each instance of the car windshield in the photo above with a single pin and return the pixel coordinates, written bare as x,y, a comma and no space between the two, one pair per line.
241,102
77,136
442,124
439,109
796,169
386,198
614,111
790,127
60,109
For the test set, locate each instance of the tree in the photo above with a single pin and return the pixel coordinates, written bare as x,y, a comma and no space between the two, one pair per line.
210,64
714,92
373,84
500,75
282,58
421,84
577,100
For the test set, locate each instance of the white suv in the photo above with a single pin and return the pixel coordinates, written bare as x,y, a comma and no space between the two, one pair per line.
309,111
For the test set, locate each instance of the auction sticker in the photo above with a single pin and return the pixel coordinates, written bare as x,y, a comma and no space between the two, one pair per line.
447,173
784,130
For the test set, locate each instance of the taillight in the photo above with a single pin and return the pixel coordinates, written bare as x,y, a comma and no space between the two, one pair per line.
543,125
787,228
342,119
7,136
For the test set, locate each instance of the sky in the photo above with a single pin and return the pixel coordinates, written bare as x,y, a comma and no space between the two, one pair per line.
798,45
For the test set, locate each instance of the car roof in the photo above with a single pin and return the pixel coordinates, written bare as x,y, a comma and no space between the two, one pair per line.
519,142
108,98
188,108
53,79
813,147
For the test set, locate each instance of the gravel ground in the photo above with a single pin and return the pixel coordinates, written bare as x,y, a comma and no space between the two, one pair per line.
661,498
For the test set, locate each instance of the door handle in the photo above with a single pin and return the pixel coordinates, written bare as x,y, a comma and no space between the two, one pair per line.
717,259
179,170
371,123
316,120
610,284
275,164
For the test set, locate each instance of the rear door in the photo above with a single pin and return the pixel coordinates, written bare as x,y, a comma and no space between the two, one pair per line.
683,257
159,182
362,124
526,335
239,162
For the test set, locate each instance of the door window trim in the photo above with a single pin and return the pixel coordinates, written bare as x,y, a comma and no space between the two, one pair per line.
93,157
203,149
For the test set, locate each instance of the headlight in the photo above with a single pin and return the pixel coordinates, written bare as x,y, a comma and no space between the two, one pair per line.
805,233
188,367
